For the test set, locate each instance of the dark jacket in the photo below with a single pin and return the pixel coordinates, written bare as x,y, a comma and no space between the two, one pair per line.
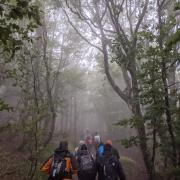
90,175
115,152
118,172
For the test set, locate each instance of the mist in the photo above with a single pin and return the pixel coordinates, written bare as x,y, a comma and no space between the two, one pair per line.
109,67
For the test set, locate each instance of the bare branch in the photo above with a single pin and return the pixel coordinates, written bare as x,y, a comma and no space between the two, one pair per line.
141,16
164,3
106,60
84,38
174,84
104,13
129,18
82,16
115,20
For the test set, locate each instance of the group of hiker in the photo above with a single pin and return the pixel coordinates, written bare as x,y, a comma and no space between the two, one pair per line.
105,165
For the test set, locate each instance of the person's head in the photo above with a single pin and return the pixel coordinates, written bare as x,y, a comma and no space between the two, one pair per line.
107,148
97,139
109,141
63,145
81,142
83,147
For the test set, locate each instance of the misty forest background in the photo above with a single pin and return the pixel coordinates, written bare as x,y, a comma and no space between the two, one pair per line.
112,66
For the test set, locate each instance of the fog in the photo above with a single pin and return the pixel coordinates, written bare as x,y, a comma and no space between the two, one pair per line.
105,66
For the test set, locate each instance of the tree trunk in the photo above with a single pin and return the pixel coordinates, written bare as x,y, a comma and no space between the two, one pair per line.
135,104
49,90
168,114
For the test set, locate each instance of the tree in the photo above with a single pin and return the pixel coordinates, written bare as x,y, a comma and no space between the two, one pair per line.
119,41
13,33
101,12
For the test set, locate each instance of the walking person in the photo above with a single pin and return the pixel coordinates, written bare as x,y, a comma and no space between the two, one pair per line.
86,164
113,149
61,165
108,166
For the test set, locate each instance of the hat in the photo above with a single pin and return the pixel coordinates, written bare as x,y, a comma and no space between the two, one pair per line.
109,141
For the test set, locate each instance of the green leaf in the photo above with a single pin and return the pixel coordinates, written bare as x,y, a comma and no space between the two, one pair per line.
132,141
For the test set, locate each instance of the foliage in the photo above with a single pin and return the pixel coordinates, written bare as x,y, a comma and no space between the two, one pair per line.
156,92
175,37
18,19
157,55
4,106
130,142
177,6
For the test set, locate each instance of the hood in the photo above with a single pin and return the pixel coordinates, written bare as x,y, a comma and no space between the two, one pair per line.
61,151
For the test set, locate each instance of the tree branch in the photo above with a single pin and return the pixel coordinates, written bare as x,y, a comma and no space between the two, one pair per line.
84,38
124,40
129,18
140,20
106,60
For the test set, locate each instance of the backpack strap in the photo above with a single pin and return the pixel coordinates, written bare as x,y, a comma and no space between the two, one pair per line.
68,164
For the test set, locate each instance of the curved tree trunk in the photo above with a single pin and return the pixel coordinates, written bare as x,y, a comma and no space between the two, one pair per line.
133,101
135,105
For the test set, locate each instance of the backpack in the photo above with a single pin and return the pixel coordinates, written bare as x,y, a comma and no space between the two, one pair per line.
109,168
86,163
60,166
100,150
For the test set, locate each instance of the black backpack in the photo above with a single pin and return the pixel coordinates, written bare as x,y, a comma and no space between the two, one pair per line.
86,163
109,168
58,167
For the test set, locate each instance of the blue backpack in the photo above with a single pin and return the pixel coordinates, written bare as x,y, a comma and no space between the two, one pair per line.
100,150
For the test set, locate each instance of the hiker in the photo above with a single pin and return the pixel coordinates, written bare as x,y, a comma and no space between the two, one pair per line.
109,167
113,149
86,164
87,134
61,165
89,140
